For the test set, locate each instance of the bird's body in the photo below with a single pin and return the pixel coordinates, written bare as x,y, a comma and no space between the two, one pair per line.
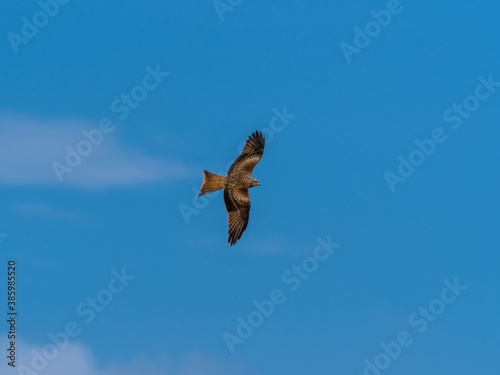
236,184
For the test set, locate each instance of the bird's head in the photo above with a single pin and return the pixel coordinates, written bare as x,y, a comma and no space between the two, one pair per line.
255,182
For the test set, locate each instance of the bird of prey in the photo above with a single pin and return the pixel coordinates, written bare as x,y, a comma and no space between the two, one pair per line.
236,184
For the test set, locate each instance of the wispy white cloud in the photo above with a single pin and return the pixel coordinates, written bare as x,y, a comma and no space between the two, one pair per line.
46,211
253,245
78,359
28,148
271,246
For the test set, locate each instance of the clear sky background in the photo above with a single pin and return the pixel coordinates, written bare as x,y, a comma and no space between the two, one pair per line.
129,203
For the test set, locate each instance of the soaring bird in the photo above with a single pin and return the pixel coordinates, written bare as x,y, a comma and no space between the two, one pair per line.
236,184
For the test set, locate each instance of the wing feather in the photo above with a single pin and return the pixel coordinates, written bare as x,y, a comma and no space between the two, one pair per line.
251,154
238,210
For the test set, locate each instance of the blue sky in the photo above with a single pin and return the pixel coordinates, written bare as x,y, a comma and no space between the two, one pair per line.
414,227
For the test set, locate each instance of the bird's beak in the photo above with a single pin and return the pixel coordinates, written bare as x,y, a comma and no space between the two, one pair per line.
257,183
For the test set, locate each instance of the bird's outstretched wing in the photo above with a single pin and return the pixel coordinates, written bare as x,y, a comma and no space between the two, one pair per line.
251,154
238,210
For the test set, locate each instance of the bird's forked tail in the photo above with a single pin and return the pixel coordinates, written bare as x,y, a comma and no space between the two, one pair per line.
211,182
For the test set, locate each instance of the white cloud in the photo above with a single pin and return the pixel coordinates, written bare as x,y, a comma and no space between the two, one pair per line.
78,359
45,211
28,147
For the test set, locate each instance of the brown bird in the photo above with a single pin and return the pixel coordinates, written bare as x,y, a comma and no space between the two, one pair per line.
236,184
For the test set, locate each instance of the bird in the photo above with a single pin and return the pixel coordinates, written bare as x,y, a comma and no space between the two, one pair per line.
236,184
